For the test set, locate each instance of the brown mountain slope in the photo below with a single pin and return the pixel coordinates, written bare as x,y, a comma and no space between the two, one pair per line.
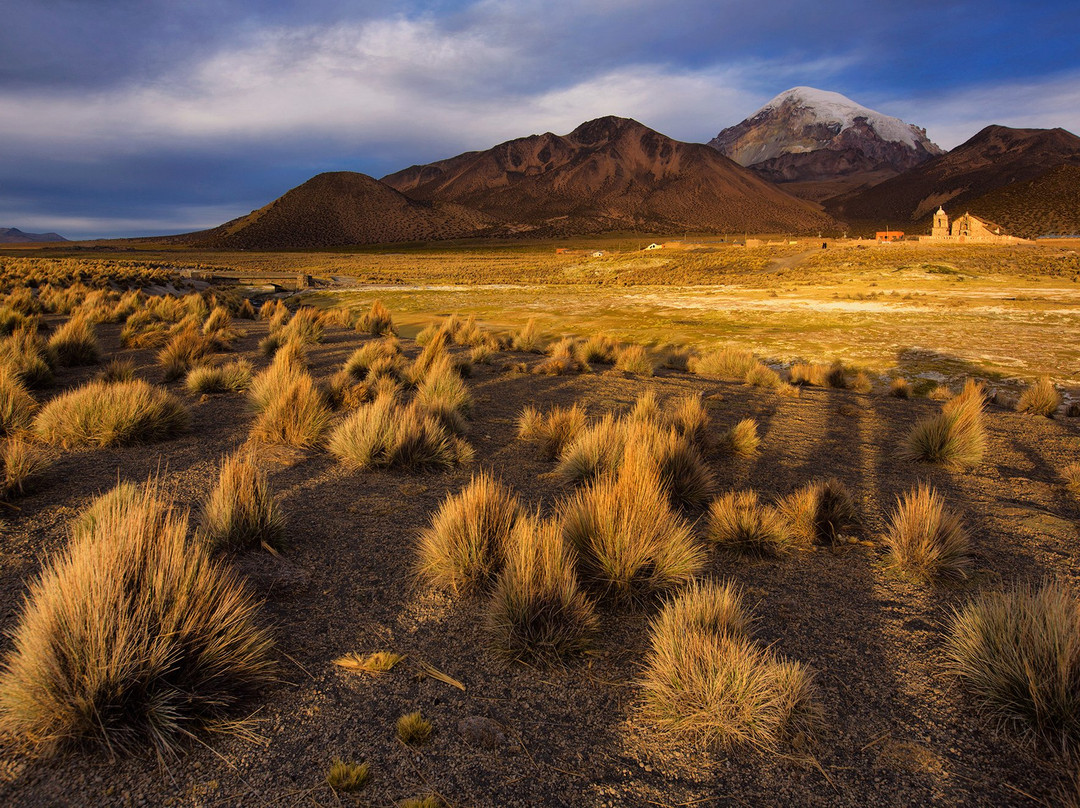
340,208
609,174
1048,204
994,158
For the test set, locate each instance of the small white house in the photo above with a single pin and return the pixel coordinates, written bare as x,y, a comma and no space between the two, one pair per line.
655,246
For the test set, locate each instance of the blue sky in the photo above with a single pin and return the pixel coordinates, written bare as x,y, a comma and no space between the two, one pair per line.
136,117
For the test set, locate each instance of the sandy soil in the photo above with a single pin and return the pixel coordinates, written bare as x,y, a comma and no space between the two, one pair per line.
897,732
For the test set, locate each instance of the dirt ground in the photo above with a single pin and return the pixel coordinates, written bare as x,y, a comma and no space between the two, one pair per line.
897,732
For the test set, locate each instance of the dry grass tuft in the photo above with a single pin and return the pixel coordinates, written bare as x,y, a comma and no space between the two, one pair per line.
634,359
739,520
241,513
17,406
305,327
374,664
75,343
377,320
118,370
598,349
553,431
27,356
820,511
528,339
742,439
132,637
563,358
430,801
23,464
384,434
925,538
296,413
232,377
862,383
954,438
187,349
630,544
706,681
538,611
1041,398
443,395
1071,475
413,729
809,374
347,776
465,546
100,414
727,363
837,376
1018,652
761,375
900,388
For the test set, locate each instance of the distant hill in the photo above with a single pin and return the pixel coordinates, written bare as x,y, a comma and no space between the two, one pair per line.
341,208
817,144
13,235
995,158
608,174
1048,204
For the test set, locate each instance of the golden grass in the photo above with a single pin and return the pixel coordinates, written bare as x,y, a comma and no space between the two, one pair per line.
344,776
552,431
1071,475
809,374
955,438
819,512
75,342
413,729
742,439
598,349
900,388
17,406
132,637
26,354
187,348
629,542
241,512
296,413
739,520
23,464
634,359
465,546
728,363
706,681
231,377
374,664
926,539
101,414
761,375
1041,398
377,321
305,327
538,610
376,358
443,395
118,370
1017,652
528,339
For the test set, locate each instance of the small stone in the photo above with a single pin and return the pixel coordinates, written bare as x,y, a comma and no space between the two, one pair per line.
482,732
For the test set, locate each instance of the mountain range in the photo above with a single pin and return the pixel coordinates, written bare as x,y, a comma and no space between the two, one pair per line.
13,235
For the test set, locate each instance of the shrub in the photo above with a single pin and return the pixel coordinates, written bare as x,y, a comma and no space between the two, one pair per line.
297,414
232,377
634,359
75,343
131,637
742,439
900,388
740,521
347,776
598,349
241,513
184,351
377,321
385,434
23,464
728,363
706,681
414,729
819,511
955,437
538,610
528,339
118,370
630,544
553,431
925,538
100,414
1041,398
17,406
465,546
1018,652
804,373
443,395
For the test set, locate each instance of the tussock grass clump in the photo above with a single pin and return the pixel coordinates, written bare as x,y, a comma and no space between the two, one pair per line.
742,439
687,415
26,355
630,544
1018,652
118,370
940,392
434,352
23,463
1071,475
245,311
10,319
430,801
443,395
296,414
820,511
809,374
385,434
347,776
376,358
185,350
862,383
739,520
17,406
925,538
528,339
288,366
597,449
272,308
761,375
75,343
634,359
231,377
727,363
538,610
1041,398
706,681
900,388
562,359
144,329
305,327
219,328
132,638
956,437
552,431
241,512
598,349
465,546
483,352
377,320
836,377
413,729
101,414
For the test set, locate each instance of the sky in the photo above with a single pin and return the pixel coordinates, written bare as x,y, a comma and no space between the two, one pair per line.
142,117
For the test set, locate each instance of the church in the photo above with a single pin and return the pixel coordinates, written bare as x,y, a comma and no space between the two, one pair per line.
967,229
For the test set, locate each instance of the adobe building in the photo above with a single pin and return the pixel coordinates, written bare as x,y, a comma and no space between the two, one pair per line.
967,229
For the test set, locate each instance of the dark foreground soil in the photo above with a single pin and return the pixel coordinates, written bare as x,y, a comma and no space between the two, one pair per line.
897,731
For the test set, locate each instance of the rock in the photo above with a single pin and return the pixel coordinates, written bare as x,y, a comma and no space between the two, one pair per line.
482,732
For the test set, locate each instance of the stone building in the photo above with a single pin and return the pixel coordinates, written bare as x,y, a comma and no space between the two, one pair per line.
967,229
